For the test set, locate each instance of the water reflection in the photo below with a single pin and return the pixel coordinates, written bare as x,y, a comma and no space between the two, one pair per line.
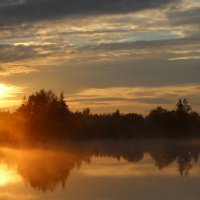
45,169
42,169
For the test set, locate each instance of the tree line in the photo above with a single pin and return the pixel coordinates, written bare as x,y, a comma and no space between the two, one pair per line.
45,116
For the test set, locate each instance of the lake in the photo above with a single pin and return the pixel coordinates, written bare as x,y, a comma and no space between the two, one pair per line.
102,170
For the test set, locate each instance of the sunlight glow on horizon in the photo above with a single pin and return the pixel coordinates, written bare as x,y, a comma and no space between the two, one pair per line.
8,176
133,99
8,95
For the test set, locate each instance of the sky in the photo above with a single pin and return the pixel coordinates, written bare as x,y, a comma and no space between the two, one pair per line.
131,55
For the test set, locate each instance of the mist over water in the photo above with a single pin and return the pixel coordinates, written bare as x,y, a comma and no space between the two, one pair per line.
123,169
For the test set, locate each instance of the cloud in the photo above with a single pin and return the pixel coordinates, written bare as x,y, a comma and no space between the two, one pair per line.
186,58
81,44
185,17
56,51
103,100
33,10
144,44
135,96
10,70
9,53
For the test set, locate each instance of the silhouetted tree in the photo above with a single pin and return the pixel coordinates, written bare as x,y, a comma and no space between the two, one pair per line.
46,114
183,106
86,112
183,110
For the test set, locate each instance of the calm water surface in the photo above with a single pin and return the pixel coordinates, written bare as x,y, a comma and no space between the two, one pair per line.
102,170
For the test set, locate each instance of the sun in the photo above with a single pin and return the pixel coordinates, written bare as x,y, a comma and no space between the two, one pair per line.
9,95
8,90
3,89
8,176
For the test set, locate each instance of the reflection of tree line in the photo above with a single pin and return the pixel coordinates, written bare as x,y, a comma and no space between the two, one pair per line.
43,169
163,153
46,169
44,116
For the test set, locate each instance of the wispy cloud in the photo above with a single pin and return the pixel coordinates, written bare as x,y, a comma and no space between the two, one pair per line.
7,70
148,96
186,58
111,45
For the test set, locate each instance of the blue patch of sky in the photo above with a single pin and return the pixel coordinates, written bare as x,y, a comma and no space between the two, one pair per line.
20,40
151,35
